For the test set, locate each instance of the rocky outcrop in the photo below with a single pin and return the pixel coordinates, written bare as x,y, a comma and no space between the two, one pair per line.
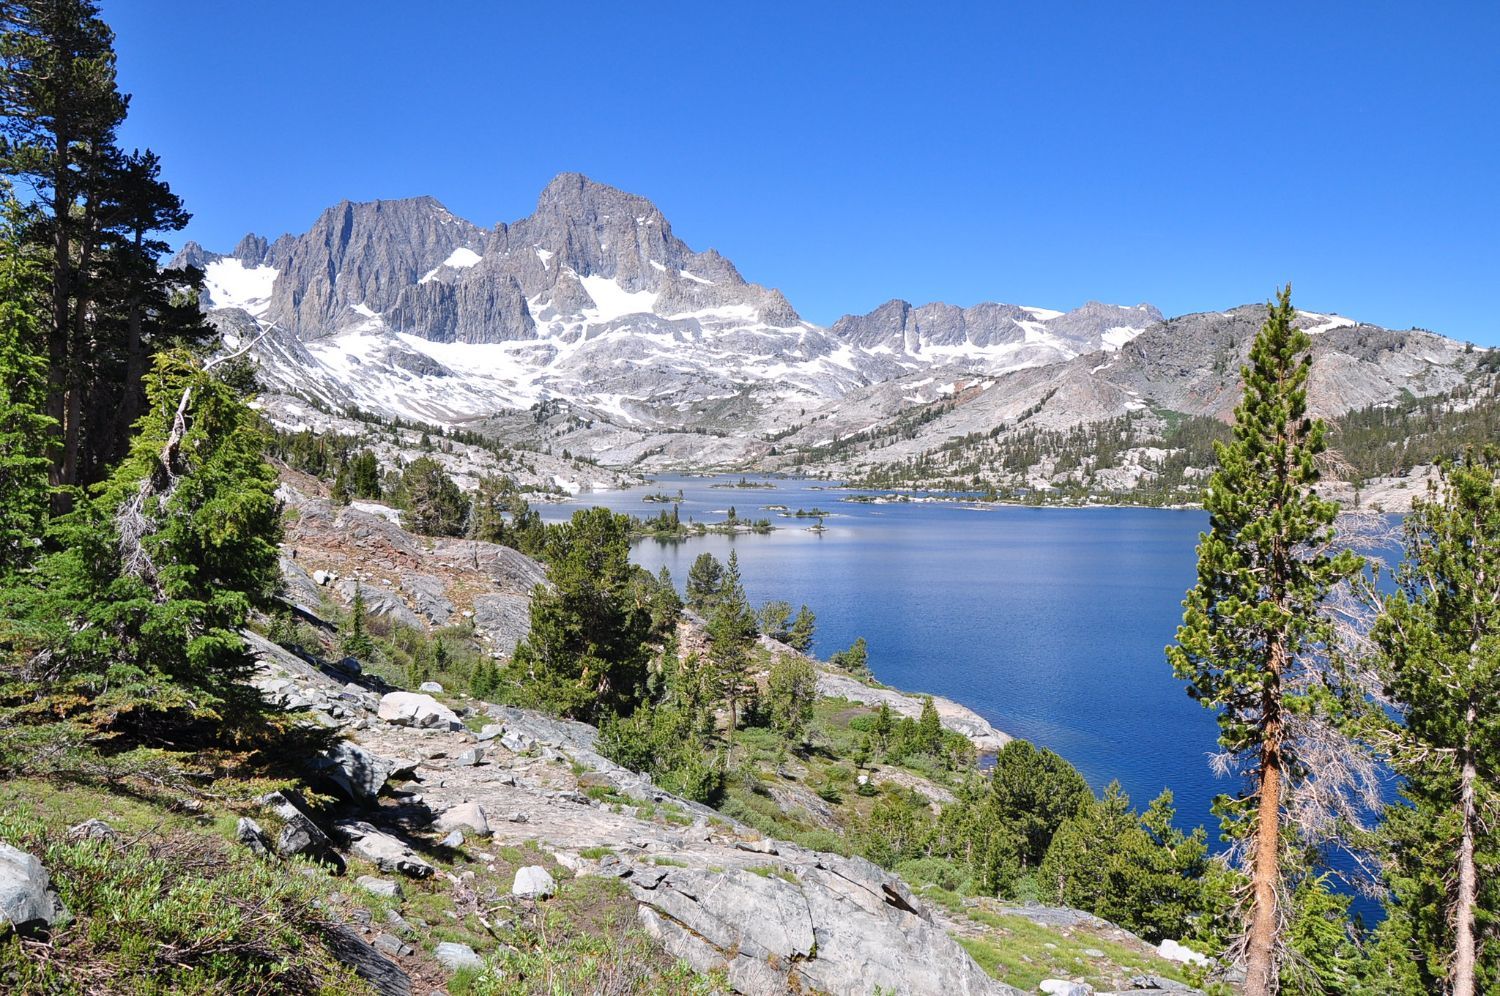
836,925
770,912
27,902
955,717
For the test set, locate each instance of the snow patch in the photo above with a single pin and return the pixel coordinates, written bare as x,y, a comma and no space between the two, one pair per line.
695,278
230,284
462,259
612,301
1326,323
1117,337
1042,314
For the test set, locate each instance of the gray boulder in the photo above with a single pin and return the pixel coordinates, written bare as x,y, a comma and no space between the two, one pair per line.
299,834
420,711
465,816
26,899
533,882
389,888
456,956
381,849
357,773
869,934
249,833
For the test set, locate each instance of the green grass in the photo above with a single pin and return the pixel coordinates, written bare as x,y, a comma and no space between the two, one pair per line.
1022,954
173,910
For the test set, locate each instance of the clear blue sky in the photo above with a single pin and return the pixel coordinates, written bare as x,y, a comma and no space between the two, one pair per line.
1190,154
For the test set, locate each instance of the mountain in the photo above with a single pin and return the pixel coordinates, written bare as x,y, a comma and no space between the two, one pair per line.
588,325
404,309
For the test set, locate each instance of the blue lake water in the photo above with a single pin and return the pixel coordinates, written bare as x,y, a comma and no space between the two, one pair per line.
1050,623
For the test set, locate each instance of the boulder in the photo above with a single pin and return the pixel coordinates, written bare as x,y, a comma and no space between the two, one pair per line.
465,816
868,932
431,687
1137,982
456,956
384,975
1062,987
26,899
390,944
470,758
249,833
533,882
92,830
299,834
381,849
421,711
357,773
389,888
490,731
454,840
517,742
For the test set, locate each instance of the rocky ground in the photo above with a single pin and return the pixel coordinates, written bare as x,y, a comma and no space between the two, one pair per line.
428,773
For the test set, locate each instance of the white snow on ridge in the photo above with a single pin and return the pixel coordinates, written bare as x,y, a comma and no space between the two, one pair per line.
695,278
1327,323
462,259
231,285
612,301
1117,337
458,259
1042,314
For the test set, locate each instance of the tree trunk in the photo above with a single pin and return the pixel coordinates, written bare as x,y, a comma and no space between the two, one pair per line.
57,332
1463,914
1261,977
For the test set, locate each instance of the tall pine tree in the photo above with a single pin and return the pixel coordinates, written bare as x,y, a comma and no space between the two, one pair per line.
1252,631
24,428
1438,642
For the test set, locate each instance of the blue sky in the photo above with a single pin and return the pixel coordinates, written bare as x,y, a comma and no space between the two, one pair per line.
1193,155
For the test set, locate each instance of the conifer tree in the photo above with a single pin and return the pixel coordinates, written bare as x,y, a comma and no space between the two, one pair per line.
139,607
356,641
587,651
704,581
792,688
800,636
1438,643
24,426
1252,633
93,219
434,502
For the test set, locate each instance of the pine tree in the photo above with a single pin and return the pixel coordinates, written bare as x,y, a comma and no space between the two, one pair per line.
1438,641
705,579
855,660
929,729
141,604
800,636
24,426
1032,791
587,651
792,688
1251,627
435,504
356,640
774,618
94,217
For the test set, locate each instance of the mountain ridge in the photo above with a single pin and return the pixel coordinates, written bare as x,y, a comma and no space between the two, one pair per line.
401,308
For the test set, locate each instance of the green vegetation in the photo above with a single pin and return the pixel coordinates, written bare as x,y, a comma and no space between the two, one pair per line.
1437,638
1250,645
